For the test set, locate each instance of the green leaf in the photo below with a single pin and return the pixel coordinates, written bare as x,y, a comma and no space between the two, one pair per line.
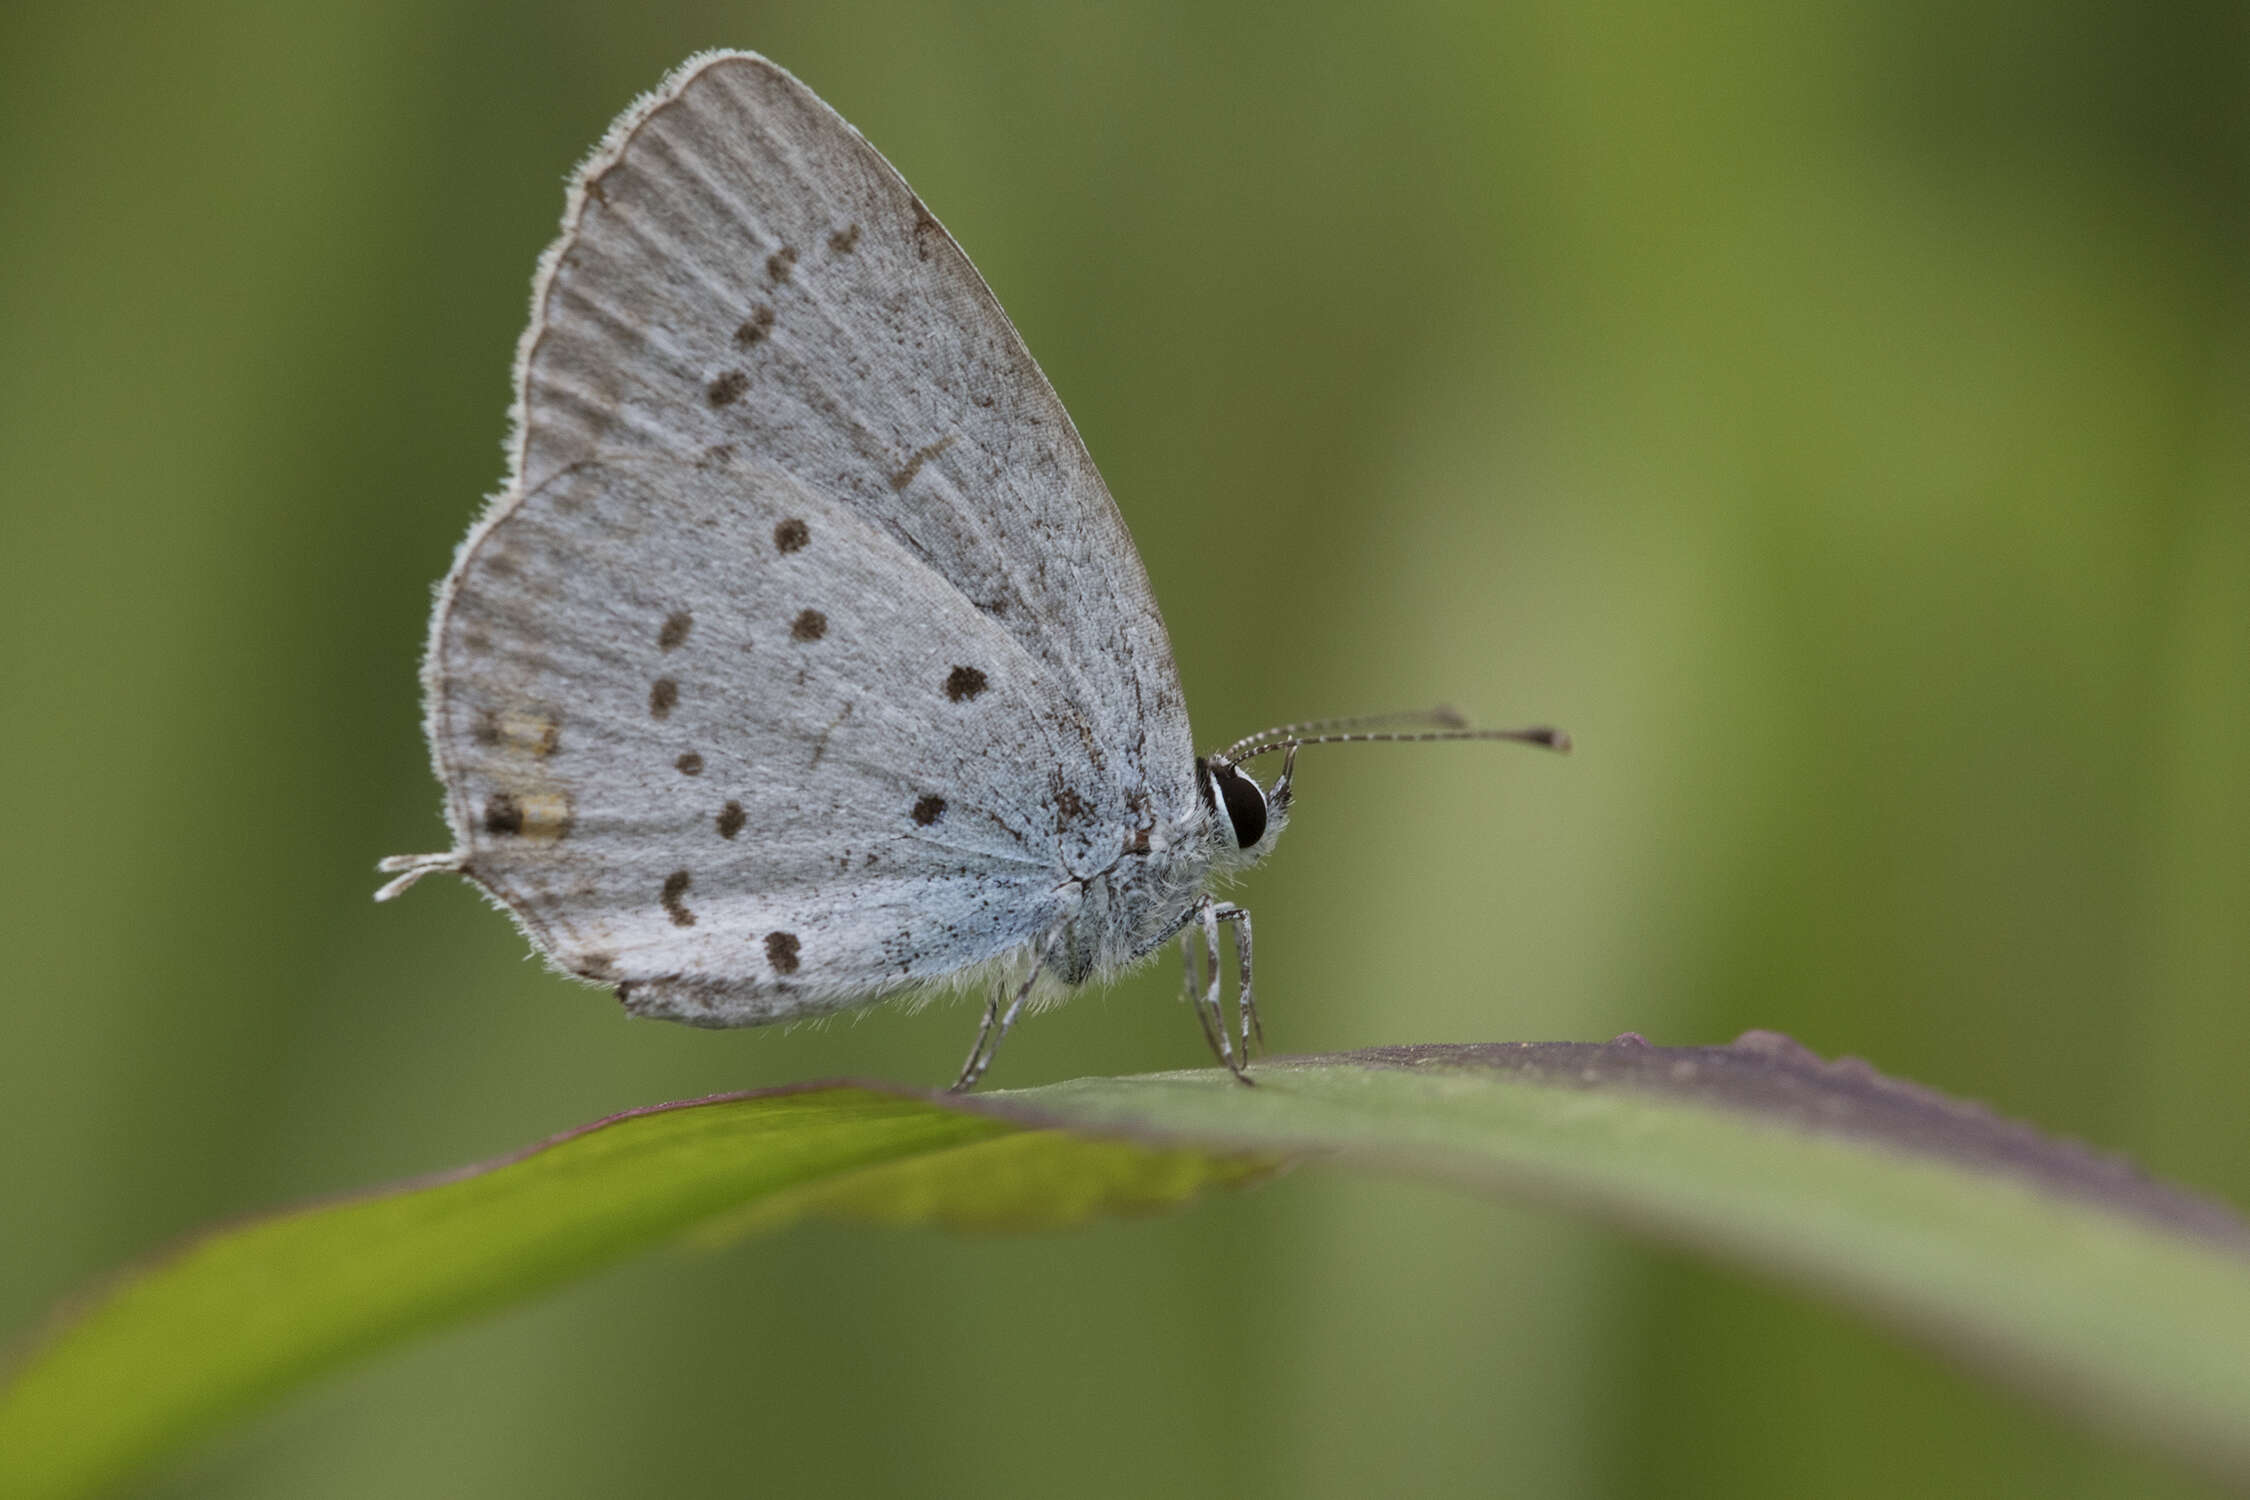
2047,1266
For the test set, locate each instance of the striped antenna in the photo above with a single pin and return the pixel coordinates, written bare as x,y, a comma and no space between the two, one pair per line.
1440,717
1265,744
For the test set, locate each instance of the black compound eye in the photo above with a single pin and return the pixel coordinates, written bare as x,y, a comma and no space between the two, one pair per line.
1246,805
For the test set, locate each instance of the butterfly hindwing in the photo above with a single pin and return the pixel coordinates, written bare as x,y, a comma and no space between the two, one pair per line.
717,741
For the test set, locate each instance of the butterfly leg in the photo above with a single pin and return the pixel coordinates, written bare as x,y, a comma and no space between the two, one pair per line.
1194,996
979,1057
994,1030
1244,1005
1213,1016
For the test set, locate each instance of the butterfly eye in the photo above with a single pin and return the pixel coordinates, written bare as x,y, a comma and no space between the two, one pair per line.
1245,804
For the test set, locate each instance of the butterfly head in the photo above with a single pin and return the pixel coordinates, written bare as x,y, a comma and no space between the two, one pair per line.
1245,818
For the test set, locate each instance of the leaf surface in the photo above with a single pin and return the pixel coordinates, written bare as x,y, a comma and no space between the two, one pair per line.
2045,1265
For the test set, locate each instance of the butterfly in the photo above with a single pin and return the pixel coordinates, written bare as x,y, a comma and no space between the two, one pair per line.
804,659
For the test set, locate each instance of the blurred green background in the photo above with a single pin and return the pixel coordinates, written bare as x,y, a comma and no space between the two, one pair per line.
1839,417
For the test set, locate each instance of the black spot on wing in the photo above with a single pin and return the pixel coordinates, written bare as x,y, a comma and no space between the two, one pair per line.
929,809
662,695
791,535
780,264
754,328
963,683
689,764
810,625
676,626
731,819
503,814
781,952
675,886
844,240
727,388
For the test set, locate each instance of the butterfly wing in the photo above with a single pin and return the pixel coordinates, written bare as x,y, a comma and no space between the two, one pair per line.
716,740
806,657
741,270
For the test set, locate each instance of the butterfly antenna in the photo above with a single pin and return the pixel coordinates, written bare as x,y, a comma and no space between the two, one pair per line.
1545,737
1443,716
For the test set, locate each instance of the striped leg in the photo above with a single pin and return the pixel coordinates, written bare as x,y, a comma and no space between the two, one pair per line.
1194,994
1245,1006
994,1031
1213,1013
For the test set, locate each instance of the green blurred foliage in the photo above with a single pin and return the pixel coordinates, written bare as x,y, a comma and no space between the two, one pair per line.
1839,417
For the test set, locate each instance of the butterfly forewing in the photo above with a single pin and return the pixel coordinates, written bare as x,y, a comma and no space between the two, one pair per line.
742,270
